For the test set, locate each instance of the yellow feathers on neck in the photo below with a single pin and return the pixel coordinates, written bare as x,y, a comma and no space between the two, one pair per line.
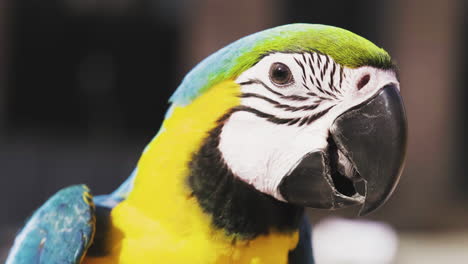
161,222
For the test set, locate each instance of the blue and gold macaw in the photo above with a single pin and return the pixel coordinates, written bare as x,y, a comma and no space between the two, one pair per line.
291,117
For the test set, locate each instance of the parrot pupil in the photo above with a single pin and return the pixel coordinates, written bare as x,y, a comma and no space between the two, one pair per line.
280,74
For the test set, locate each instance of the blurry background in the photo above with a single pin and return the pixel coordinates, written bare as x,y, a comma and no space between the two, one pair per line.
84,86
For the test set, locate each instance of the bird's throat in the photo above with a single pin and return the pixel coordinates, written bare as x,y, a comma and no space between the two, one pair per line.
235,206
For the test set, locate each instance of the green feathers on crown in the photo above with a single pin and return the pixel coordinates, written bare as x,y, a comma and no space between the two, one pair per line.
345,47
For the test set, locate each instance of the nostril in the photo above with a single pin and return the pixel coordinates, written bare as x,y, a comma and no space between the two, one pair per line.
363,81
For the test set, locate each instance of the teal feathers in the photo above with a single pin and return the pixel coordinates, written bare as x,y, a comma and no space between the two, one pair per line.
59,232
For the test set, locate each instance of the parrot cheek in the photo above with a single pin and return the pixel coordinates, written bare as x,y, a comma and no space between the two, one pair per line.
261,153
367,143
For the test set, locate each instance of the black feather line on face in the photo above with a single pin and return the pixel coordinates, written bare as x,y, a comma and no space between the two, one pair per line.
304,120
315,81
341,76
305,85
317,96
332,74
282,96
268,117
319,60
317,78
294,121
329,93
259,96
279,105
256,81
301,65
324,69
278,120
235,206
303,72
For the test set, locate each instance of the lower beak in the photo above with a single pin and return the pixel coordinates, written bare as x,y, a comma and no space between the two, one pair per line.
372,138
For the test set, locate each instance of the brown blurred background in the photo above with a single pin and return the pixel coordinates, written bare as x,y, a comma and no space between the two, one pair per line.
84,86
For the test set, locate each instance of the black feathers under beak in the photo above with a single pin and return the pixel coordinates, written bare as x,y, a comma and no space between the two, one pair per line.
369,142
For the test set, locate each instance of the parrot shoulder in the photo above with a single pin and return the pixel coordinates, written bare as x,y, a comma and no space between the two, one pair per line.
60,231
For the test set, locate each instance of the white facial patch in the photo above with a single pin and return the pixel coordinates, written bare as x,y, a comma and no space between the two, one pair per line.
277,125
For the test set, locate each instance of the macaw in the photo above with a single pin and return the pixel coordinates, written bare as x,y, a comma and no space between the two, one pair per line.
290,117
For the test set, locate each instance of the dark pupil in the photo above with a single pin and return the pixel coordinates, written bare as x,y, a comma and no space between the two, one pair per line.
280,73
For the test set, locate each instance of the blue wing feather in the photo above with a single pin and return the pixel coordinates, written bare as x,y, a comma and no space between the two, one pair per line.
111,200
60,231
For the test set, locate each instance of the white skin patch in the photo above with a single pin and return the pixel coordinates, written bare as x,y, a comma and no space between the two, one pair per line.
279,124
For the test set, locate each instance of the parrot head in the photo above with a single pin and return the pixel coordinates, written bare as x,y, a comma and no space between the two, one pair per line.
319,113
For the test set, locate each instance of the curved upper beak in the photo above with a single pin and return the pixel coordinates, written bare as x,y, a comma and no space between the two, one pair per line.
372,137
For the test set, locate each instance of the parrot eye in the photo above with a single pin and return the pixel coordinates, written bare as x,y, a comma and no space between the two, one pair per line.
280,74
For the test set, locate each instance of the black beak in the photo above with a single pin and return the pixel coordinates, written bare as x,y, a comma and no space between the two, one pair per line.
372,138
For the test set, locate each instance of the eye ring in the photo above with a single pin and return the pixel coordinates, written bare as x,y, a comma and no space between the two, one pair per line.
280,74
